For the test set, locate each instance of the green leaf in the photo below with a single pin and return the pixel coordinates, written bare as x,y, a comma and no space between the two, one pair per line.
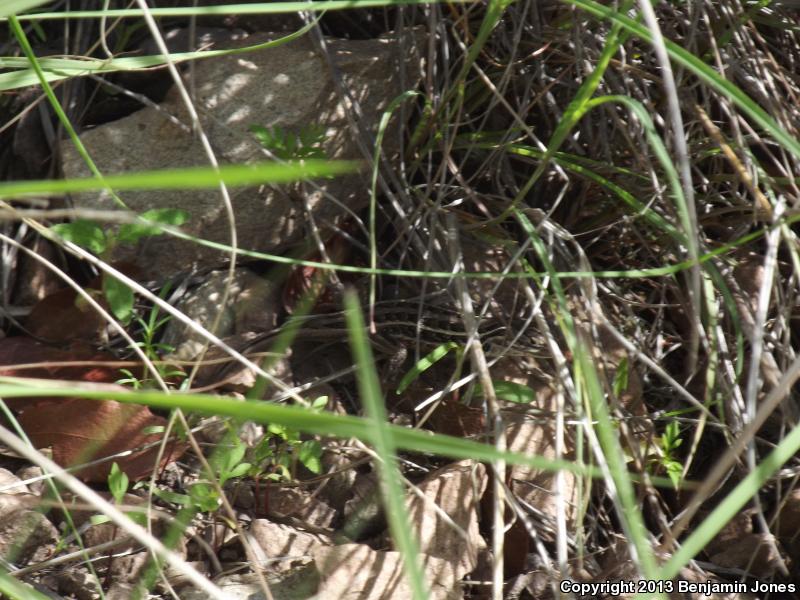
130,233
675,472
86,234
309,454
172,497
319,404
120,298
204,497
117,483
154,430
511,392
424,364
239,470
99,519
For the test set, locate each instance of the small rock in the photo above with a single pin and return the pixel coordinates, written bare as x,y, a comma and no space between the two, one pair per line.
283,502
357,572
78,583
27,535
286,545
455,489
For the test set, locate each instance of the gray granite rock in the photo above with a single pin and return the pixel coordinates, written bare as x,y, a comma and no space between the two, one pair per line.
289,86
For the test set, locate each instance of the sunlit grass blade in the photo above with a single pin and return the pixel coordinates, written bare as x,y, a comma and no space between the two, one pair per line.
55,69
10,7
705,531
393,491
189,178
425,363
55,103
703,71
598,417
325,424
262,8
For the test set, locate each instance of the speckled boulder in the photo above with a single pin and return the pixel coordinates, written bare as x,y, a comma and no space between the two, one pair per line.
289,86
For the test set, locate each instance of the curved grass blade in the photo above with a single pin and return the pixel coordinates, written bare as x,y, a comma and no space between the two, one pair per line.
55,69
425,363
701,70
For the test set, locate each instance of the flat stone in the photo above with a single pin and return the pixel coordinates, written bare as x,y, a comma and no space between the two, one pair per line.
286,545
456,490
27,535
288,86
357,572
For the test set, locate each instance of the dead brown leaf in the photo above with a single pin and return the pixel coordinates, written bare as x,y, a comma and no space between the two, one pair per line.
83,430
79,430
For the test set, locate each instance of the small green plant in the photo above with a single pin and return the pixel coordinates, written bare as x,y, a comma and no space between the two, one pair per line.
91,236
670,440
281,450
153,350
277,454
287,145
117,483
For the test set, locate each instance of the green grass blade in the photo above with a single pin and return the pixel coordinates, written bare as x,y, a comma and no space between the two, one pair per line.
701,70
586,376
732,504
575,110
55,69
325,424
16,590
665,271
11,7
393,492
19,33
190,178
425,363
262,8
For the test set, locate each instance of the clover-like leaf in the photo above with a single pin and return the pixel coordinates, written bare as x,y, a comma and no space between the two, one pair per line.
84,233
119,297
130,233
